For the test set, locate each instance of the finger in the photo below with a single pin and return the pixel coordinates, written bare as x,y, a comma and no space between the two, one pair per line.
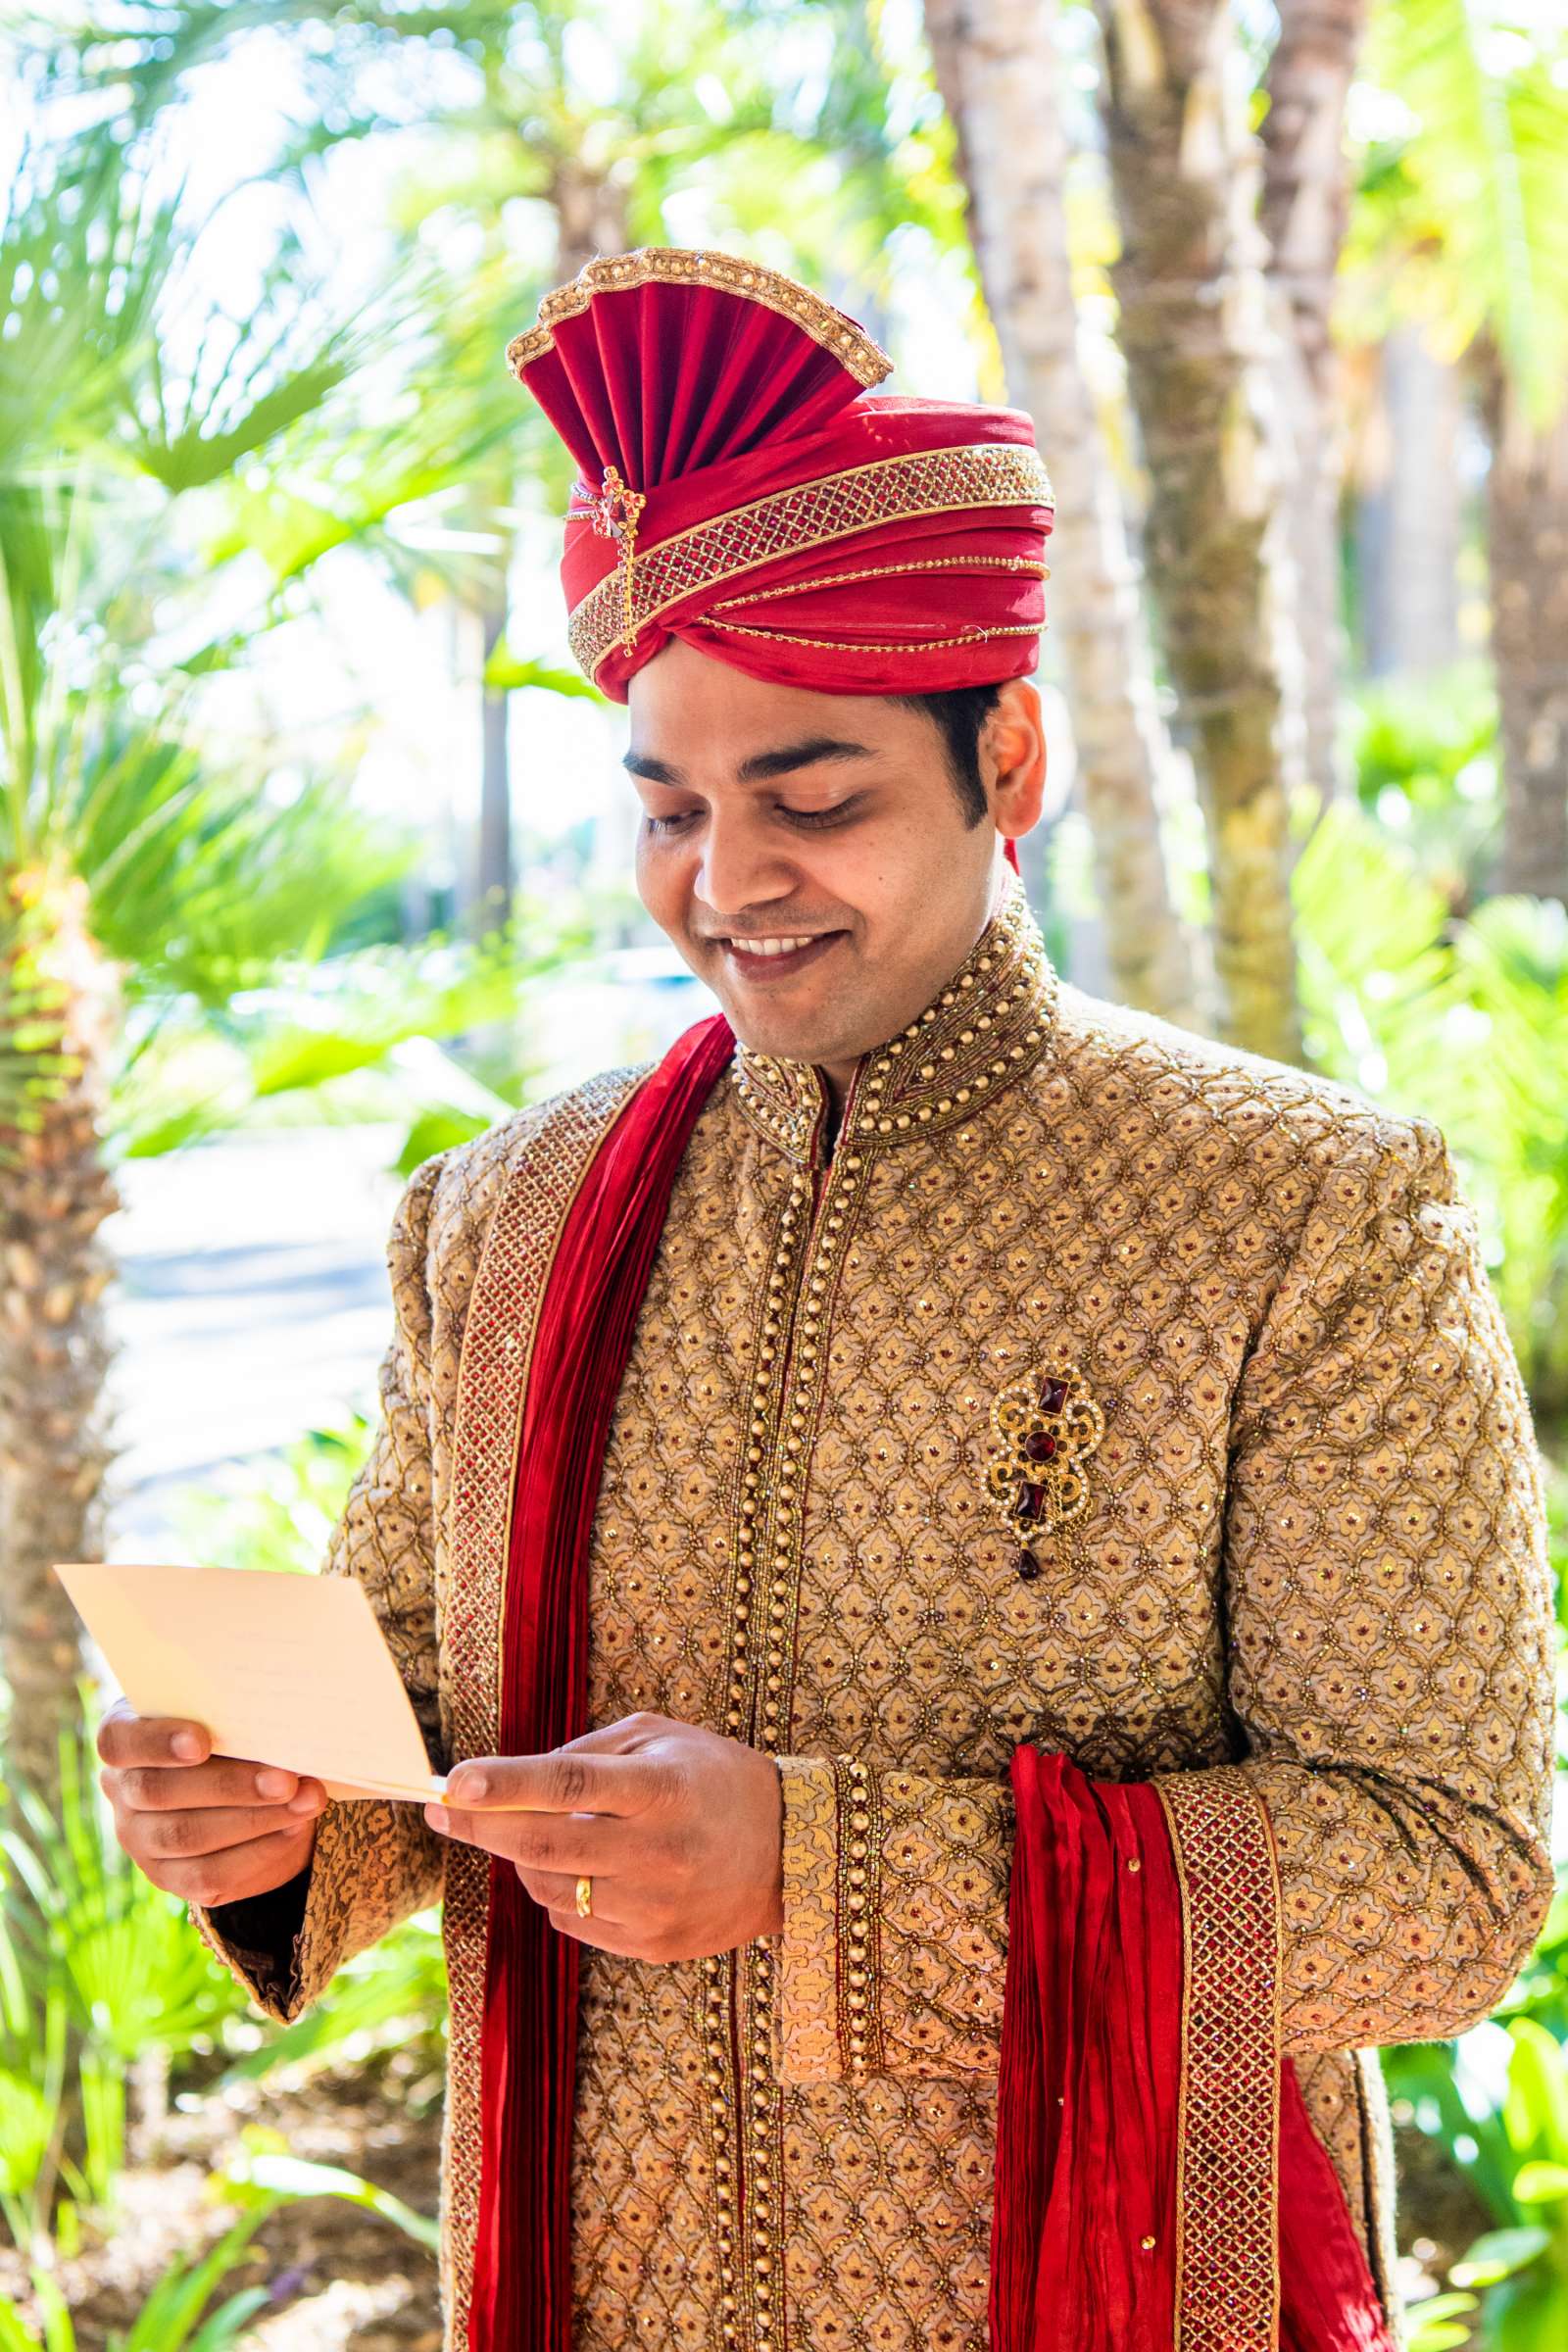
555,1889
564,1841
127,1737
239,1869
625,1735
167,1837
224,1781
605,1935
565,1780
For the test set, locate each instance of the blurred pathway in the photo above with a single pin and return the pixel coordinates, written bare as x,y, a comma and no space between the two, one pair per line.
254,1304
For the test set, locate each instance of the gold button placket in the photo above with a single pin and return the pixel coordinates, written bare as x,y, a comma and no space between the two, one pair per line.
1007,993
768,1530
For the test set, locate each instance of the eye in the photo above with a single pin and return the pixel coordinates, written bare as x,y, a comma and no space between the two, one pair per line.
668,824
820,819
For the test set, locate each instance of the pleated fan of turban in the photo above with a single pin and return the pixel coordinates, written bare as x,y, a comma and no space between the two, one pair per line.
743,489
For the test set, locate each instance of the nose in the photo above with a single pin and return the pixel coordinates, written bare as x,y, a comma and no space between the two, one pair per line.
738,867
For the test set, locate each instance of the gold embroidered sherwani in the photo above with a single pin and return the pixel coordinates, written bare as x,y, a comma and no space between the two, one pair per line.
1311,1567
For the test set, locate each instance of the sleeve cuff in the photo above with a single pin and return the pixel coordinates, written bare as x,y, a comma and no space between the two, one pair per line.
284,1947
827,2012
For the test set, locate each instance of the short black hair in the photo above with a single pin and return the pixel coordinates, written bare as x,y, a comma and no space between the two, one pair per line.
960,713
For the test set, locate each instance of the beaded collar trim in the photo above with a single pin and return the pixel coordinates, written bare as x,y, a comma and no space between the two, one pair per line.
682,266
989,1025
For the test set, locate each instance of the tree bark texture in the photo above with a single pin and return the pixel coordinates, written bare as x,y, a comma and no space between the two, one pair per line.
590,215
997,68
590,219
1304,208
496,875
1527,541
1408,540
1191,294
55,1192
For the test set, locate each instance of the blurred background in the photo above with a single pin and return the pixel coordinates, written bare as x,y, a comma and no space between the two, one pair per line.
315,851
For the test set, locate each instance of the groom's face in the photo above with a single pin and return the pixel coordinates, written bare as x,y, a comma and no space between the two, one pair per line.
809,854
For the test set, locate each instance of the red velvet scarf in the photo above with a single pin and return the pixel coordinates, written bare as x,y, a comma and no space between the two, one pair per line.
1089,2153
1087,2221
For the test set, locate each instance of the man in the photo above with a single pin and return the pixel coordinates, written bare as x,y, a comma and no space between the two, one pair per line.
804,1463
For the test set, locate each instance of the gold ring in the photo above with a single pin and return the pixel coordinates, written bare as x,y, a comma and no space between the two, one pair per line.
585,1888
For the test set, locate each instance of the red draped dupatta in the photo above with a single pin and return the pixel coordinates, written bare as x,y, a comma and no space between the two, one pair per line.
1124,2218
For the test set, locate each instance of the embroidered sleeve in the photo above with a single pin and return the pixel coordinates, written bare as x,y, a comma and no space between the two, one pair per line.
375,1862
892,1951
1388,1613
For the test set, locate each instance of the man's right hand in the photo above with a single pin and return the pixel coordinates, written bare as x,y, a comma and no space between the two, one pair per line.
209,1829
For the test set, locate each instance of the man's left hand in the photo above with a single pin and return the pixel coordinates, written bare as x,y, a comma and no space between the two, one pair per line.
679,1830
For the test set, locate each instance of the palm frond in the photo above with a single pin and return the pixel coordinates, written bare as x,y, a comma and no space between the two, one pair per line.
84,243
1477,175
204,883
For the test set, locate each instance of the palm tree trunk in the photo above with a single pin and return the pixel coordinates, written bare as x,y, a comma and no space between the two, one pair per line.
590,214
1527,543
1190,290
997,68
55,1192
496,877
1305,207
1408,540
590,219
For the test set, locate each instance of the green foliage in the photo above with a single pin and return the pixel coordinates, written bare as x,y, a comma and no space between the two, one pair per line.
206,874
1522,2266
260,2177
381,1999
171,2319
98,1966
1496,2100
1465,191
262,2163
1426,763
1460,1020
506,671
371,1035
199,875
199,882
96,1963
282,1516
1438,2323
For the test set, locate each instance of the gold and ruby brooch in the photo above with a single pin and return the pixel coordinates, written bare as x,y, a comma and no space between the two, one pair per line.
1044,1429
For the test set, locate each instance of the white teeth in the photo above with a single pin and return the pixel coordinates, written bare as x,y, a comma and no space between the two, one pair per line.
769,946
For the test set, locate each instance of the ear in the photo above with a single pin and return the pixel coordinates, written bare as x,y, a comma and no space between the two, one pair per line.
1012,749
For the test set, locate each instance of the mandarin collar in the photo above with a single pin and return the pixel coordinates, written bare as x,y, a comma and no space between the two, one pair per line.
984,1028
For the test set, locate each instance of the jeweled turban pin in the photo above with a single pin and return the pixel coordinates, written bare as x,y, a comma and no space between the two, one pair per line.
1044,1430
615,512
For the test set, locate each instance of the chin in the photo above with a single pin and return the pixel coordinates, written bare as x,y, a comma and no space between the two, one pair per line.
768,1031
779,1037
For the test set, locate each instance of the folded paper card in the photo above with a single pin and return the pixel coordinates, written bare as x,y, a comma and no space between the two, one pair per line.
290,1670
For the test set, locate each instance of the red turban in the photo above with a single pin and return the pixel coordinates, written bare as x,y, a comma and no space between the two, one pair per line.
742,488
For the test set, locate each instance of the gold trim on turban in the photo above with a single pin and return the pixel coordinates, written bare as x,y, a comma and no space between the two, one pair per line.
674,265
864,498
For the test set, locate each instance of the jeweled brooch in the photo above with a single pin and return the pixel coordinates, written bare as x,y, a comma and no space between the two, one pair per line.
615,512
1044,1429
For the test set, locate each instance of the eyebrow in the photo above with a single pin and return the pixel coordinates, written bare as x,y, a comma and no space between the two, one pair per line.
814,750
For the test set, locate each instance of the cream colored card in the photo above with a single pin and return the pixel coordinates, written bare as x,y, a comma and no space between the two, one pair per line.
290,1670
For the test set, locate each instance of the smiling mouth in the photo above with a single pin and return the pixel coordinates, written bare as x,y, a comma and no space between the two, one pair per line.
785,952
